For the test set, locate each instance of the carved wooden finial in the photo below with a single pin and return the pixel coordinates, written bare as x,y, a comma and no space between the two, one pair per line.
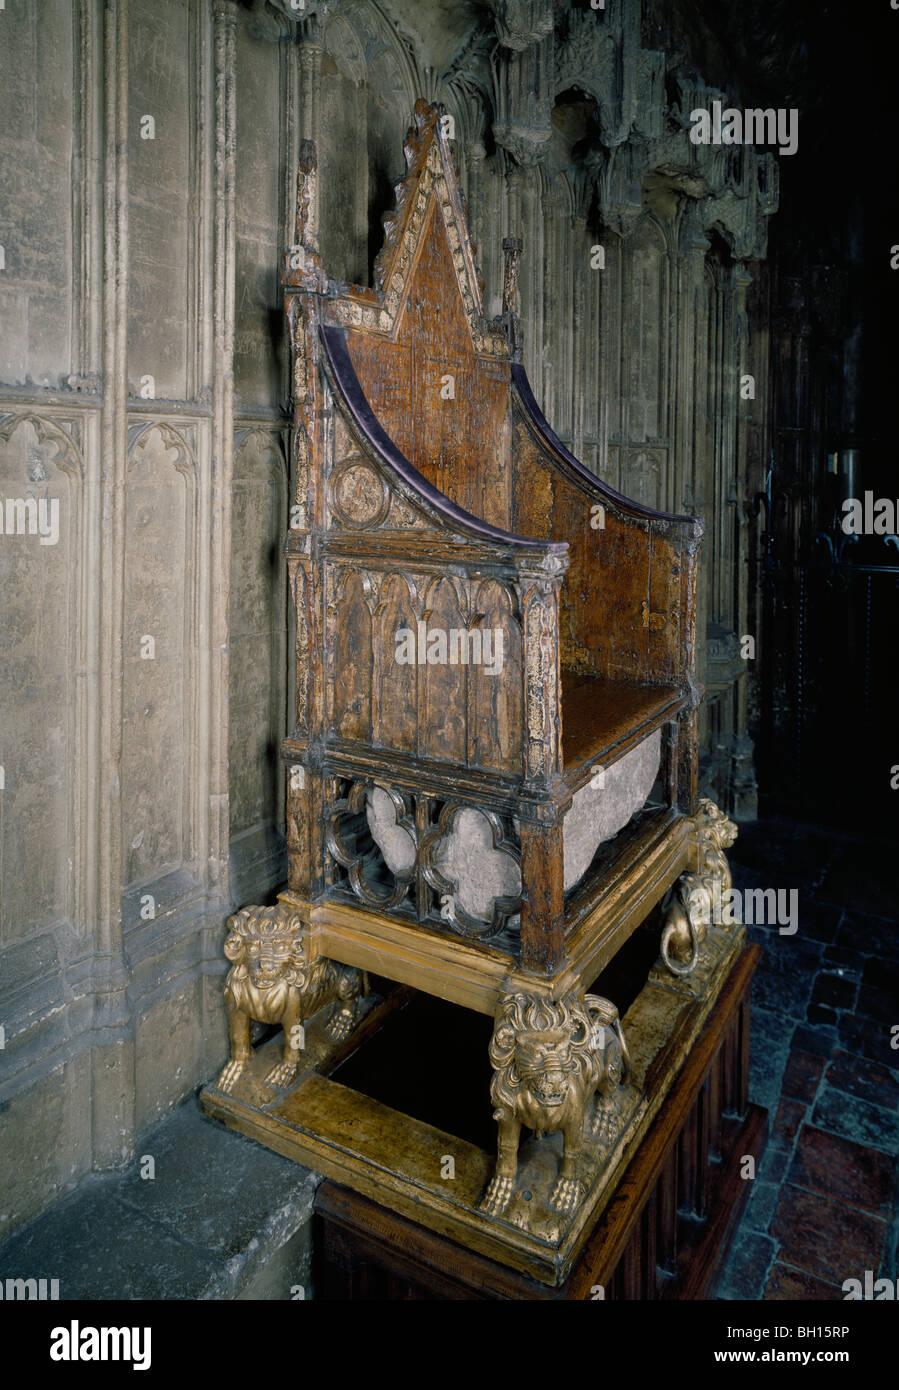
306,230
302,259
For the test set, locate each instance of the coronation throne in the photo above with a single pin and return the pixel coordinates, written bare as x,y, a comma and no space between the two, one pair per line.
492,770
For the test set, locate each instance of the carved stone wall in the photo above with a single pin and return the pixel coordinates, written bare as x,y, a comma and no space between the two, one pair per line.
148,151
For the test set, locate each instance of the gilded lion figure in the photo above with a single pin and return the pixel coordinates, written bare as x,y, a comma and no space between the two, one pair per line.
686,917
715,833
551,1059
271,981
693,903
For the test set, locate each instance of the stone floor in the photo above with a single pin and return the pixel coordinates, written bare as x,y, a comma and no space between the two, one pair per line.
825,1010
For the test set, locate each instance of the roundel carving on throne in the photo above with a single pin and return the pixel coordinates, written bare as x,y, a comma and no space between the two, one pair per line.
359,497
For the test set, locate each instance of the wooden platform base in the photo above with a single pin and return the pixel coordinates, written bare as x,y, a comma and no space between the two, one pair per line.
408,1151
663,1235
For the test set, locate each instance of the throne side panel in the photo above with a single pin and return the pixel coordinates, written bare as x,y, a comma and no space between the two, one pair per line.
625,612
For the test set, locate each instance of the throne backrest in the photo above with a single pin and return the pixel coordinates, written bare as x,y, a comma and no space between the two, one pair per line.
435,372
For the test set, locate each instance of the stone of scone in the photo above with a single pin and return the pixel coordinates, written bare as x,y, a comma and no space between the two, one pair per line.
483,873
597,814
394,843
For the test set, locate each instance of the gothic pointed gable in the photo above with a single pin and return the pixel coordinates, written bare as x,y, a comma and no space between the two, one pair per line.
435,372
430,213
429,218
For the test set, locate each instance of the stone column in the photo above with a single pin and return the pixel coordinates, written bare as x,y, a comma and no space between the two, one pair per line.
222,439
112,1065
690,384
475,155
551,204
310,58
534,260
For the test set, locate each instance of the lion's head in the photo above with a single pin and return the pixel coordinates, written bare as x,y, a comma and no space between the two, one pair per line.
715,828
544,1063
541,1047
265,947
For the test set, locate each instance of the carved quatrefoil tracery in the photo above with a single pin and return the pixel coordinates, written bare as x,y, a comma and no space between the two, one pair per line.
366,866
359,496
435,840
372,834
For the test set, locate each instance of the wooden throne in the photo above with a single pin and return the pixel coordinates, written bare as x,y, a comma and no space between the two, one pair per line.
492,645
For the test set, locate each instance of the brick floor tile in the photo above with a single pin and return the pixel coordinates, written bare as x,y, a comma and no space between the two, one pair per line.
860,1076
747,1266
775,1162
829,1239
821,1017
857,1119
761,1205
790,1114
877,936
802,1074
843,1170
786,1283
842,958
833,990
818,921
868,1037
813,1040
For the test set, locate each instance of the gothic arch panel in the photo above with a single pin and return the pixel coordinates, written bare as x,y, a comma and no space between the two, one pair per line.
159,647
496,707
351,664
445,716
396,712
40,500
645,295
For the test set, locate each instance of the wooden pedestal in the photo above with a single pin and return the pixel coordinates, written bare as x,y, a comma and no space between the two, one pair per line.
663,1234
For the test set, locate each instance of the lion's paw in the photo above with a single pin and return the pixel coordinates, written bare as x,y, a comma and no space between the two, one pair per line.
230,1074
565,1195
496,1198
281,1074
340,1024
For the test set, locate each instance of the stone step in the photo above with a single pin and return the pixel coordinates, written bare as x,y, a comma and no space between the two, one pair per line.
220,1218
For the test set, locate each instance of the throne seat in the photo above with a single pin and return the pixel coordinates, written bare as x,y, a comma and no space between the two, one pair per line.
603,719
